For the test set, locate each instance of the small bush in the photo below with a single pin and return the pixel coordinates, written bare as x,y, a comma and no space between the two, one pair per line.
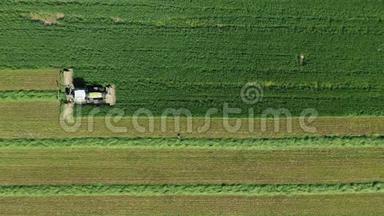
117,19
46,18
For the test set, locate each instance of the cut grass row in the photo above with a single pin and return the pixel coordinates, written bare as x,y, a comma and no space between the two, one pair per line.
321,205
191,143
31,166
29,119
31,95
197,189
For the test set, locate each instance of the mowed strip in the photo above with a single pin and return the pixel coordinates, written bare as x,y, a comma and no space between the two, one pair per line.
29,118
196,143
28,79
41,119
345,204
189,166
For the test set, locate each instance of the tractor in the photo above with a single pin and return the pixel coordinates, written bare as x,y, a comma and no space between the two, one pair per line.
94,94
71,93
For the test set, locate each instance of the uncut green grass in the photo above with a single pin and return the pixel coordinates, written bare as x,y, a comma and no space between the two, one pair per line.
198,54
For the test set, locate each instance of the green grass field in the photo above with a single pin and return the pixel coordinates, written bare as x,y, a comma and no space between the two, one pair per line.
194,55
198,54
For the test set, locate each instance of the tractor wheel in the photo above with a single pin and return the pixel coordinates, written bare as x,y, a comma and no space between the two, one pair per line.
110,98
68,78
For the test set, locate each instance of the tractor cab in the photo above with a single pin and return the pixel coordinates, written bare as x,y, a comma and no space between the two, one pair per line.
79,96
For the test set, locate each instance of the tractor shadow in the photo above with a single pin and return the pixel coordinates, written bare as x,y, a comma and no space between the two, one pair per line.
79,82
